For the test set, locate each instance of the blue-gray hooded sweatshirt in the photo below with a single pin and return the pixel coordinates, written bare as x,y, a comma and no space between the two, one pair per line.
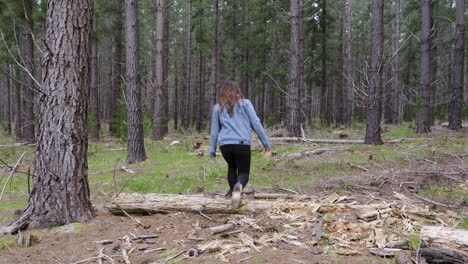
235,129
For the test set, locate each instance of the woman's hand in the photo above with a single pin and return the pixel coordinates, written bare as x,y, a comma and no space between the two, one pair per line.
266,152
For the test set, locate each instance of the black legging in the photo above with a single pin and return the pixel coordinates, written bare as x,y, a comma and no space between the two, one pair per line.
238,160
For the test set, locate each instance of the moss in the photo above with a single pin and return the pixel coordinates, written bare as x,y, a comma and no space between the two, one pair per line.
69,228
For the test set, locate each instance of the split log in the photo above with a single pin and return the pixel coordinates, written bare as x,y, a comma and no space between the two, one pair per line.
156,203
319,141
444,245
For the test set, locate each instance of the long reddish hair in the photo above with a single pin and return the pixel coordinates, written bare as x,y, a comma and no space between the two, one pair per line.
230,95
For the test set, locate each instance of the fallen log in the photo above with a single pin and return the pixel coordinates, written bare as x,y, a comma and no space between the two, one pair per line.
310,140
157,203
305,153
444,245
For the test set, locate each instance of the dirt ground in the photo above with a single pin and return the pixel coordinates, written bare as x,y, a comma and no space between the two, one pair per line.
178,233
174,232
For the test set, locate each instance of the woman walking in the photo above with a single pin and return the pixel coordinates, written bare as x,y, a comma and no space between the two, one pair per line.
231,123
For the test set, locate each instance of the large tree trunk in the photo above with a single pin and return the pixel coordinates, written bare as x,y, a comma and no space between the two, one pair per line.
393,102
456,97
344,91
135,145
214,57
201,76
158,81
165,90
117,68
188,75
374,97
408,94
296,80
26,76
233,40
347,75
423,124
94,85
324,111
60,192
18,109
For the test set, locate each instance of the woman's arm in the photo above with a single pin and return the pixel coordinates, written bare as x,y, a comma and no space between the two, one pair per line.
215,126
257,126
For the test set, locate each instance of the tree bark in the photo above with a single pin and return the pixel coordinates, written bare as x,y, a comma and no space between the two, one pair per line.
233,39
135,144
27,55
165,71
374,97
392,115
423,124
214,58
18,109
456,97
324,109
117,68
158,82
444,245
60,192
94,85
347,75
201,77
176,94
188,75
296,79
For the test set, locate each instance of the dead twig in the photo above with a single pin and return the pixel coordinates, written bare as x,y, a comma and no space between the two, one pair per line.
11,174
207,217
175,256
434,202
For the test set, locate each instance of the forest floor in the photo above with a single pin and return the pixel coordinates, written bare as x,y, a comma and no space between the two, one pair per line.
361,174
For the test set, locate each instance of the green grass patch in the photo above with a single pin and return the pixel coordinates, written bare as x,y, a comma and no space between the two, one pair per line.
445,193
463,224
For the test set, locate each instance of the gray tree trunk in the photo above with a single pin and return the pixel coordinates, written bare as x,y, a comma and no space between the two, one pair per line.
201,76
374,97
296,79
18,108
165,88
135,144
347,67
158,81
394,104
325,114
94,85
188,75
423,124
116,95
27,55
214,57
60,192
456,97
233,40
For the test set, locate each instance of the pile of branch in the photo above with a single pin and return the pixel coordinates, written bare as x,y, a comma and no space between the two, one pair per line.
355,228
123,248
